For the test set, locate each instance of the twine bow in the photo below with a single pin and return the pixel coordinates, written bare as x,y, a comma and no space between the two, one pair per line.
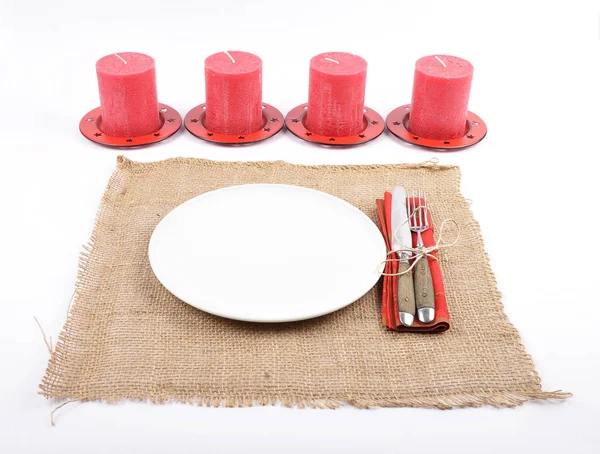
417,254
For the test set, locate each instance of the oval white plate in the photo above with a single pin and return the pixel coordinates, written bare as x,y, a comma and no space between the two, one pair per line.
267,253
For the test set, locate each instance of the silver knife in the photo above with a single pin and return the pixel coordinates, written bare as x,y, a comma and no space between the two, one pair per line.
401,239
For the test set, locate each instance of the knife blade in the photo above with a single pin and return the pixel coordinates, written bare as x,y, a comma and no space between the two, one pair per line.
401,239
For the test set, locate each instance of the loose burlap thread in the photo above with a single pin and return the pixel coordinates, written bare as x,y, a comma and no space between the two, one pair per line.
127,337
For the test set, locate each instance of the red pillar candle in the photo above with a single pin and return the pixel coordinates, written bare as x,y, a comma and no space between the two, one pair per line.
128,100
233,92
336,94
440,97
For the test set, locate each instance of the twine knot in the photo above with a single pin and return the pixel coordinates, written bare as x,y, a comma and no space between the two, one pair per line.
416,254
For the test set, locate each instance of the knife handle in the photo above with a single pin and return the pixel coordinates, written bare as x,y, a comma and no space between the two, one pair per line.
406,291
424,295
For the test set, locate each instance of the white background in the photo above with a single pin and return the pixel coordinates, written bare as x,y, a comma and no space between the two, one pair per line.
535,84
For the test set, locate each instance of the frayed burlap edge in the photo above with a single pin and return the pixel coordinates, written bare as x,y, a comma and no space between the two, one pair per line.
494,399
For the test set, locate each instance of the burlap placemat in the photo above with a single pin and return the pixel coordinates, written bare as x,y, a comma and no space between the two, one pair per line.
127,337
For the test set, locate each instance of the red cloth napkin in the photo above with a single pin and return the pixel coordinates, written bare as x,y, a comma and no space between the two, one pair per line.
389,294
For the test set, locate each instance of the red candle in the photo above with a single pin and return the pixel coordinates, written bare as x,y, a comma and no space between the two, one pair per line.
440,97
336,94
127,84
233,92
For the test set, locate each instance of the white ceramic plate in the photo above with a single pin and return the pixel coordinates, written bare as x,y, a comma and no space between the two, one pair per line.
267,253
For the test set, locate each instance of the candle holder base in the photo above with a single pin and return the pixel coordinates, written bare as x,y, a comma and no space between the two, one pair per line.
273,123
90,127
374,126
397,124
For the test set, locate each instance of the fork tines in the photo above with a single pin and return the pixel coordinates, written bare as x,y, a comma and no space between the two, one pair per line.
417,210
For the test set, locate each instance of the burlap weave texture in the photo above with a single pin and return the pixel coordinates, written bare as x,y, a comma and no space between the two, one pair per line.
127,337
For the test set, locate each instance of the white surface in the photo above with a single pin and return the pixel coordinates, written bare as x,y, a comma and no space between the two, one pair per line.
279,238
536,84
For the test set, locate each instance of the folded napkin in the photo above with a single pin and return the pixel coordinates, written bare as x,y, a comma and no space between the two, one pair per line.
389,294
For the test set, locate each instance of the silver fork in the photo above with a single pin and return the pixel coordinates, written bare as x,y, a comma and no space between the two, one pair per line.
419,223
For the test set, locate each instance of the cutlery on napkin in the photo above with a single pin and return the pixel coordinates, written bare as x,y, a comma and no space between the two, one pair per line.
389,295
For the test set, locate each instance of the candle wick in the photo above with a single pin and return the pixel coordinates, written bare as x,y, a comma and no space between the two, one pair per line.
440,60
121,58
331,59
229,55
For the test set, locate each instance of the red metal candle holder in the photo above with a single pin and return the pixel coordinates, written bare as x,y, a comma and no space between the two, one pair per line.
272,124
91,127
397,123
373,127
